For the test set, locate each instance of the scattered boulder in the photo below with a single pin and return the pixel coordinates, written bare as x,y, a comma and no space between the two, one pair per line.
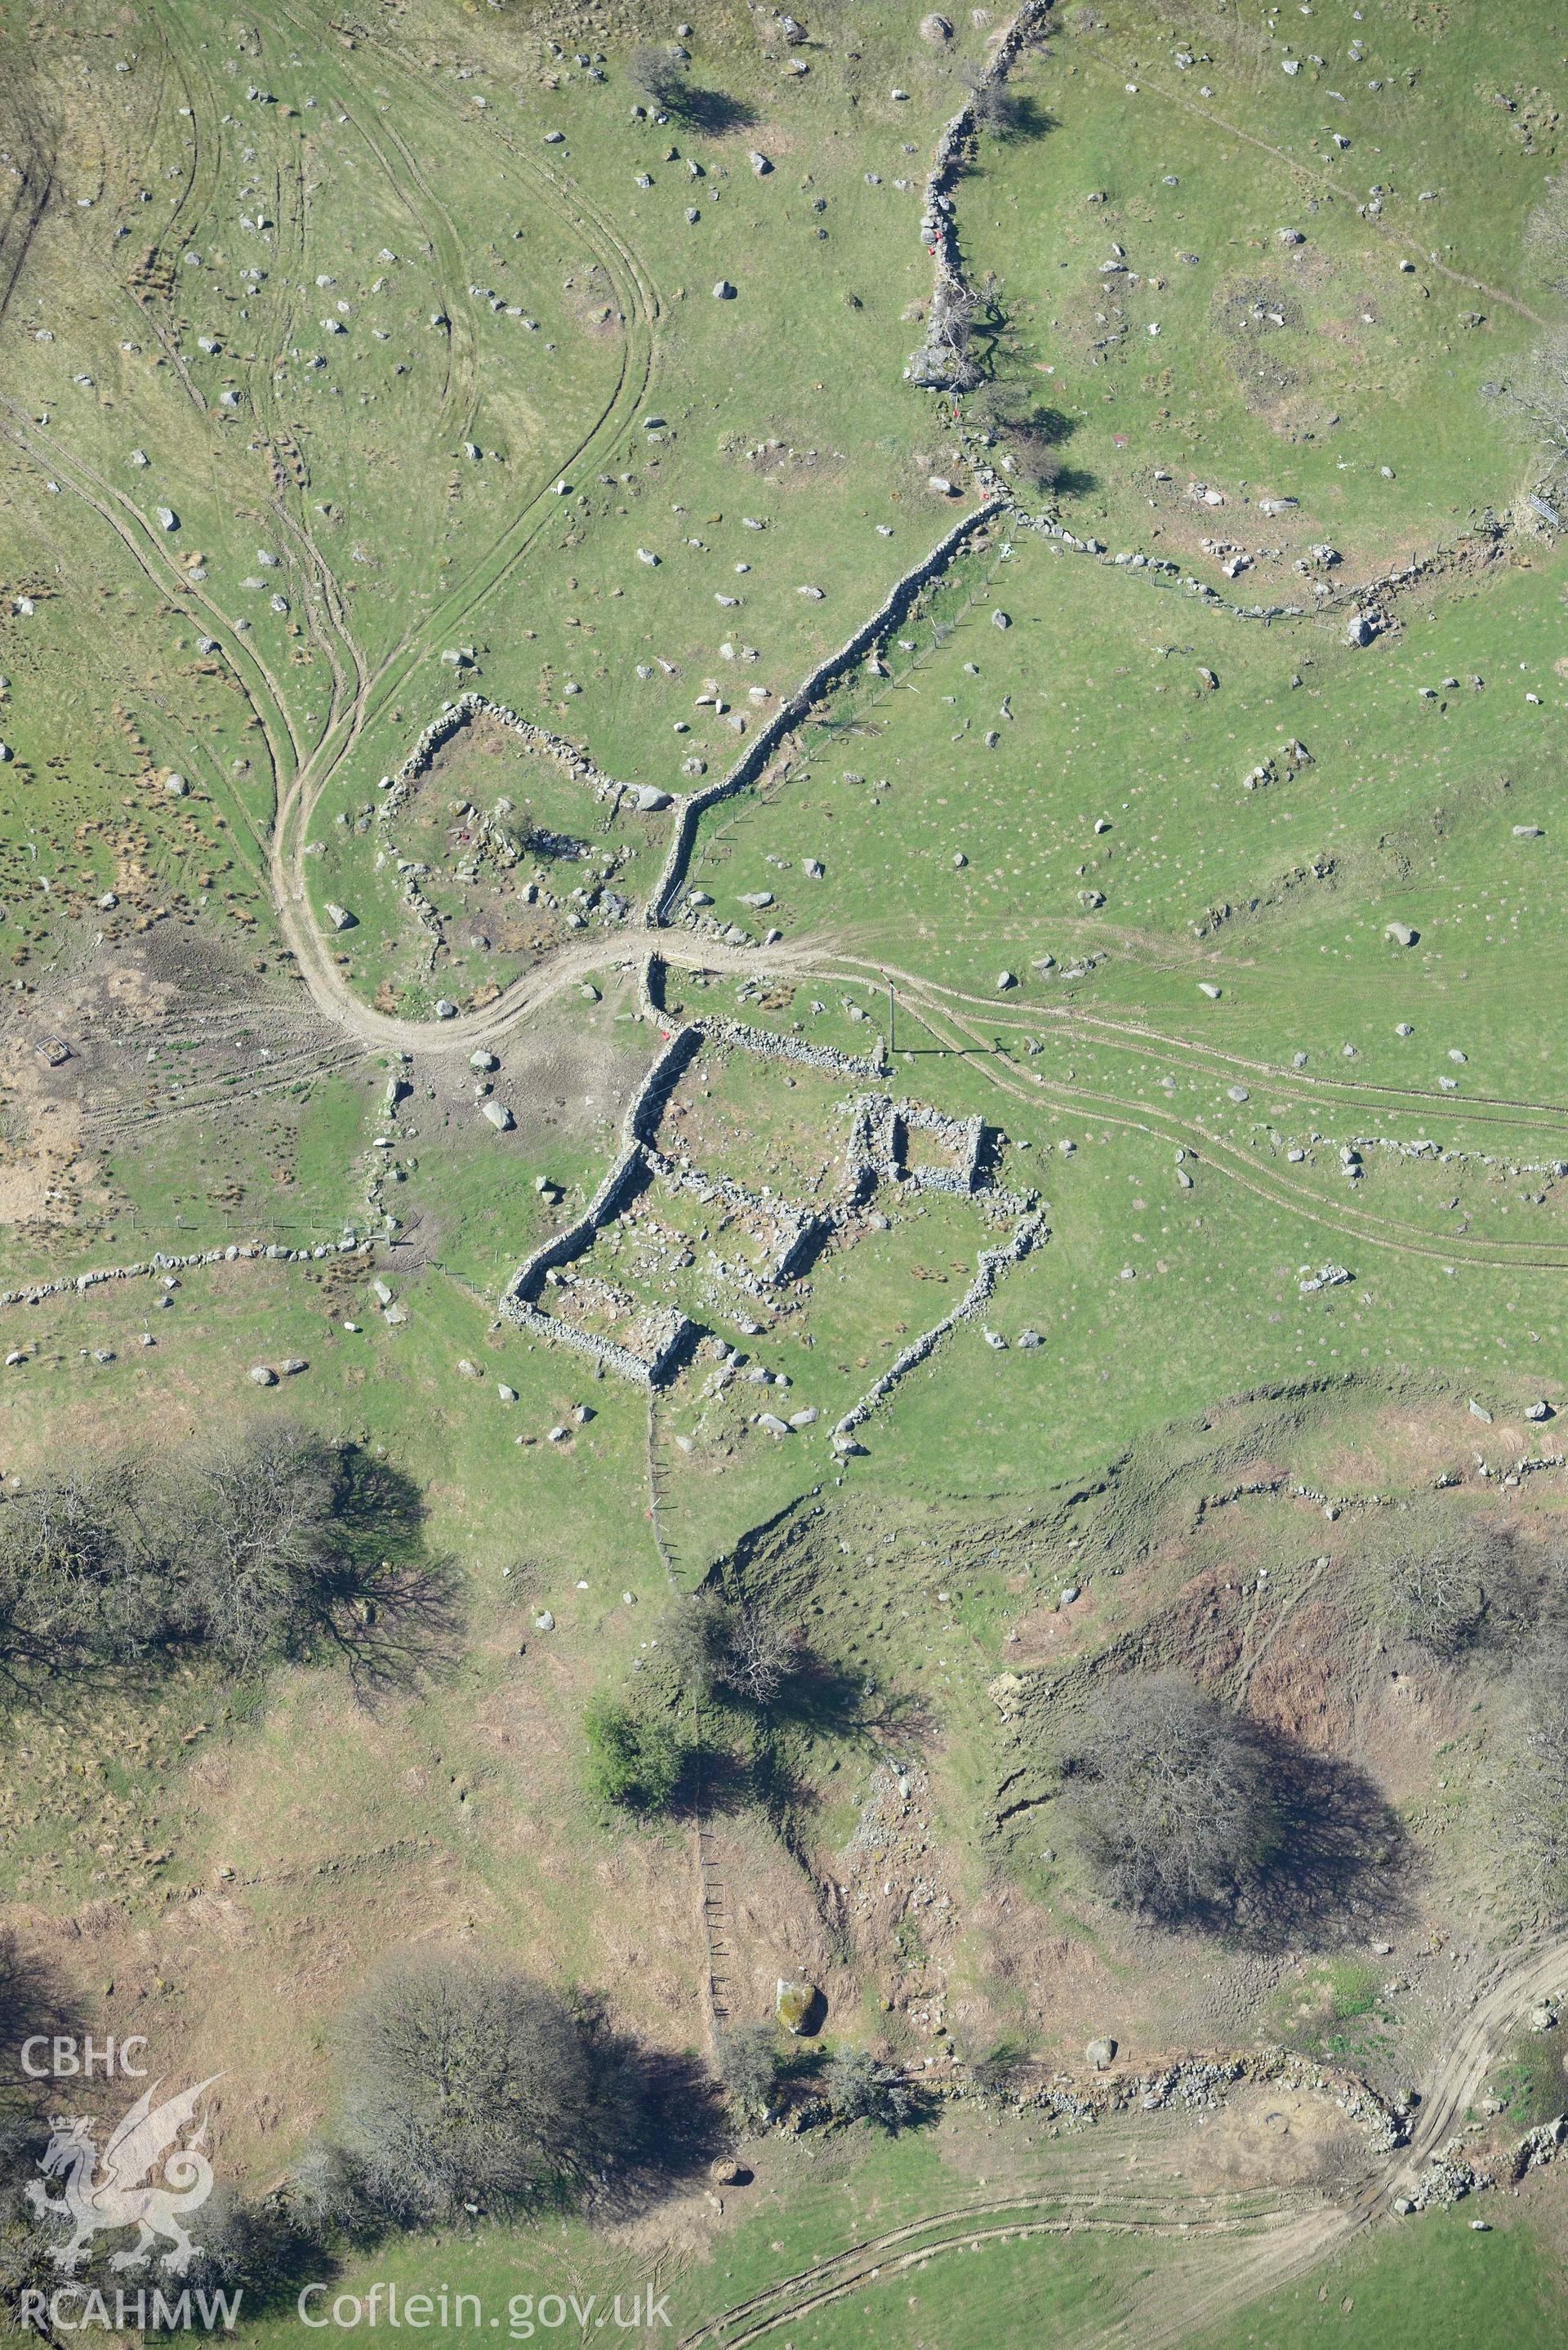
340,917
800,2007
935,29
263,1376
1101,2053
499,1116
724,291
1401,934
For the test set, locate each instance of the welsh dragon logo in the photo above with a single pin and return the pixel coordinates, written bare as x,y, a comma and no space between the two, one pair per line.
121,2194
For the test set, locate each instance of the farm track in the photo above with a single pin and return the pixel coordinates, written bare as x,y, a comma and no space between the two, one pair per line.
112,1120
639,303
1274,2246
907,2249
130,527
1224,1157
199,190
1299,167
324,603
1182,1052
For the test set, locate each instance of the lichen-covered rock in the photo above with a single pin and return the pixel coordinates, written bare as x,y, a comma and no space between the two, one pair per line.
800,2007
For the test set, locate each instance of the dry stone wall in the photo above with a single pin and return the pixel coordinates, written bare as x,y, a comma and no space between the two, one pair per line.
789,715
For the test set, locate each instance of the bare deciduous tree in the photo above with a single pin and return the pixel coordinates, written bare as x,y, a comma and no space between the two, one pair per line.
78,1571
1537,393
859,2089
660,76
1444,1594
748,2055
1173,1796
761,1653
464,2084
255,1548
694,1636
257,1541
744,1648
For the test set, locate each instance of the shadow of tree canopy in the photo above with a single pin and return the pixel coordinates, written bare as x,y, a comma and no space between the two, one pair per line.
1025,118
676,2120
710,110
1034,433
391,1608
1338,1856
1072,482
32,2001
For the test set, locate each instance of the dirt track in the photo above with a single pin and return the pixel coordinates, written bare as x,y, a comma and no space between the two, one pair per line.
1245,2255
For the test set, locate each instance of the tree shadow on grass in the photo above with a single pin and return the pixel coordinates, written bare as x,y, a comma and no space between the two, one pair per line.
710,110
391,1608
33,2005
1025,118
1071,482
674,2118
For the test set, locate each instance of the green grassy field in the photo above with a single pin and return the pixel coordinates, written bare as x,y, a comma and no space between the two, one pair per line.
357,359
